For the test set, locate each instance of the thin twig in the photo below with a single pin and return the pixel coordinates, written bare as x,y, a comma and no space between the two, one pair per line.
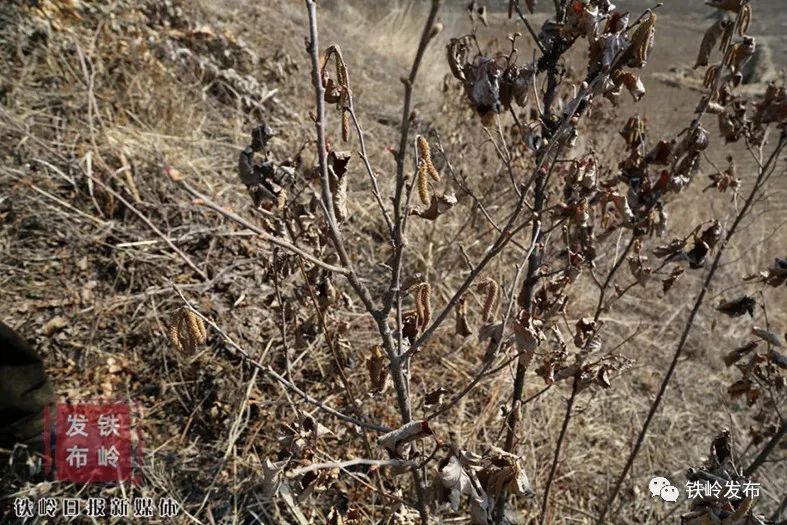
397,463
205,200
152,226
687,329
287,384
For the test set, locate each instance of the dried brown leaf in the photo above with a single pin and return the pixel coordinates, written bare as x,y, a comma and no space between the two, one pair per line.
395,440
710,38
738,307
736,355
767,335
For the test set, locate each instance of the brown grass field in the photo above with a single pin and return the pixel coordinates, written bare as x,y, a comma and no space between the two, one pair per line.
110,110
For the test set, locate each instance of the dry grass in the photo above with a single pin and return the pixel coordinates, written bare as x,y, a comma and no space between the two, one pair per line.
96,103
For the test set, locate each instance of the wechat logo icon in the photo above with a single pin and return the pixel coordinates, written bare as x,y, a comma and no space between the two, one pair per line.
662,488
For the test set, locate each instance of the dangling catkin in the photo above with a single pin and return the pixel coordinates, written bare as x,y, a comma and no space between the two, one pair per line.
426,158
196,327
187,331
341,79
642,40
744,19
174,337
423,185
423,304
492,290
345,126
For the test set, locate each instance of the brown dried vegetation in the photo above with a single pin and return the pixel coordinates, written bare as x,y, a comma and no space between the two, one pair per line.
559,225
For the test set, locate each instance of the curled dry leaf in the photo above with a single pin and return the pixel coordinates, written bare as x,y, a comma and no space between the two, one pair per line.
673,247
773,107
738,307
703,245
726,5
729,507
634,85
621,205
260,136
261,179
314,428
775,275
337,91
378,372
528,333
456,480
767,336
505,472
490,84
739,53
462,325
778,359
712,35
661,152
271,477
672,278
585,329
726,179
604,375
439,205
435,397
632,132
553,362
395,440
337,177
410,324
736,355
638,269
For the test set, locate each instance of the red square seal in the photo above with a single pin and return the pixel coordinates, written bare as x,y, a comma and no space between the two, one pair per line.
93,443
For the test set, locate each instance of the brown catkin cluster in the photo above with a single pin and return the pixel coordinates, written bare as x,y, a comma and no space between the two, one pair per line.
425,167
491,299
423,304
426,159
187,330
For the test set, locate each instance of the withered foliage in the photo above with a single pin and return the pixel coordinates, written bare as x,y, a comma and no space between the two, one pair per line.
571,194
729,507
